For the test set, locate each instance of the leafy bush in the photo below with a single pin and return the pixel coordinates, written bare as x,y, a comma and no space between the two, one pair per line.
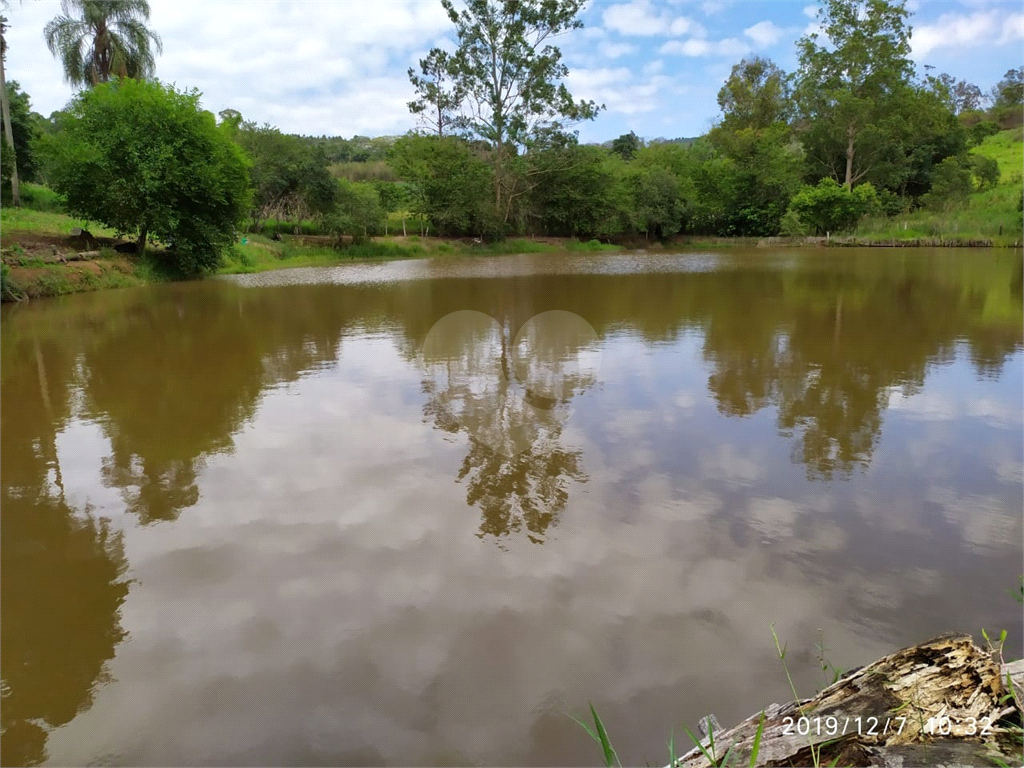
829,207
985,171
358,211
791,225
892,204
144,159
982,130
952,183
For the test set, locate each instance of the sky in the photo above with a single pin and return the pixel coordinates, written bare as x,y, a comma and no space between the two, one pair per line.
339,68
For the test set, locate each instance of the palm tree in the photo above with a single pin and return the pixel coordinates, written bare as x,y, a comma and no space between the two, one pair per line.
97,39
5,110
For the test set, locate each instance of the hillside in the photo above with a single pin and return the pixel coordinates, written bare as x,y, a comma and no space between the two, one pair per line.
993,214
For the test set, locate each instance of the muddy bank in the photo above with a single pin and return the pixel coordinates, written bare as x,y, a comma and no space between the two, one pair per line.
37,265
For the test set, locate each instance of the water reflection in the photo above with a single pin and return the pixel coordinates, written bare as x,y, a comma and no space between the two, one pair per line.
63,569
512,398
239,434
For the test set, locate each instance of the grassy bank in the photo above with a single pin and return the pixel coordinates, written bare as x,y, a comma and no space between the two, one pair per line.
991,215
39,252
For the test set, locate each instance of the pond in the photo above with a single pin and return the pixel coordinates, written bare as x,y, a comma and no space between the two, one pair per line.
421,512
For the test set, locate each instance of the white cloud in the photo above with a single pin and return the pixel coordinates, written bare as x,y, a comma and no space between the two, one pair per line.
811,11
698,46
1013,29
765,33
620,91
641,18
955,30
612,50
342,74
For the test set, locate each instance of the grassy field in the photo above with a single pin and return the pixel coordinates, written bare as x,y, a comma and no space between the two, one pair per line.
17,220
989,215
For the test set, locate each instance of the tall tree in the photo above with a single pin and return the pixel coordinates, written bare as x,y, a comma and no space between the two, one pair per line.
959,95
850,81
5,109
1009,91
626,145
439,94
756,95
98,39
512,77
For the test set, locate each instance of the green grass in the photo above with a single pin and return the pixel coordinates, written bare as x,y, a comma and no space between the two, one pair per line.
1007,149
45,222
991,214
41,198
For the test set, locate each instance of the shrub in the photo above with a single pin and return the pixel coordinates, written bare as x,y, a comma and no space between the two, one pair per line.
985,171
144,159
982,130
829,207
952,182
791,225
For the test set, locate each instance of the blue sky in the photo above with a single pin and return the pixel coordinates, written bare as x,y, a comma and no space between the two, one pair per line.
339,67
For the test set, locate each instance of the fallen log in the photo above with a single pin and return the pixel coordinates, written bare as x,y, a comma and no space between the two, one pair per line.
83,256
943,702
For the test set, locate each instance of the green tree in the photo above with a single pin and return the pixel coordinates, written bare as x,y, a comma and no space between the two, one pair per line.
1009,92
144,159
450,183
985,171
954,179
9,163
583,193
627,145
848,83
658,207
756,95
99,39
358,212
511,76
439,91
959,95
23,129
290,177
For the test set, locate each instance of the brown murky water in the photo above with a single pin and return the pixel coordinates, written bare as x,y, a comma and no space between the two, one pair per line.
288,519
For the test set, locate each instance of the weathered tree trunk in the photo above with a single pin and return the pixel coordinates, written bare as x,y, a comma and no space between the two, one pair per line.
941,702
851,132
5,106
140,248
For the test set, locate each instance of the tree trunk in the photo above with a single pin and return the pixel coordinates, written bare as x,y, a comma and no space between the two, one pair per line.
5,107
140,248
404,233
850,133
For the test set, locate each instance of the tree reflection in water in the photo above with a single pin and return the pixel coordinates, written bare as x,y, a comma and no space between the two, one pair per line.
512,399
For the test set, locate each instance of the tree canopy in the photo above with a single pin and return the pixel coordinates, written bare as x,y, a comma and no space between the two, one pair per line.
144,159
99,39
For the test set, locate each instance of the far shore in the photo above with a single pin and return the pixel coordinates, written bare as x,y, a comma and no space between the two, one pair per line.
62,259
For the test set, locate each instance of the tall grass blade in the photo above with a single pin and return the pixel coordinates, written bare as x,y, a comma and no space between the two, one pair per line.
756,749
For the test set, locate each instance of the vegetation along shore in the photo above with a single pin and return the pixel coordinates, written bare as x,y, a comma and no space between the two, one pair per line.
834,153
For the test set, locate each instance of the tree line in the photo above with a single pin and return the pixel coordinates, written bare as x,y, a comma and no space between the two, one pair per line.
854,131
